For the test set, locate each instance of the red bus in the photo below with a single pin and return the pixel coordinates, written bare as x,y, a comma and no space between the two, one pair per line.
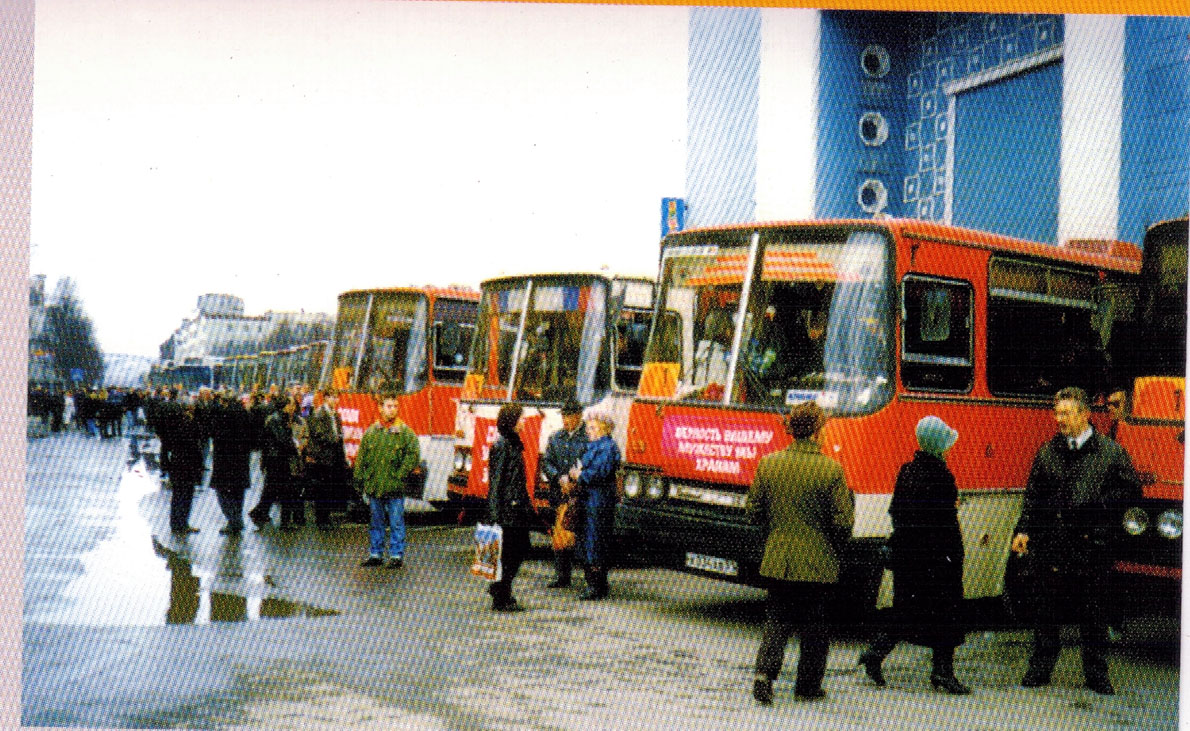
411,340
578,335
1154,427
881,323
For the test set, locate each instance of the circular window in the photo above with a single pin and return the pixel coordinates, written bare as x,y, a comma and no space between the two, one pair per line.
872,196
873,129
875,61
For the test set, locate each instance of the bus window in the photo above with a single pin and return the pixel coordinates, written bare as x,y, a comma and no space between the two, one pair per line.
451,342
936,340
394,354
817,324
349,330
1041,334
632,336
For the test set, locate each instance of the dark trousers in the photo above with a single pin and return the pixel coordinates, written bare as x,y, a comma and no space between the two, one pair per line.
515,549
791,605
180,499
325,490
231,502
283,492
1071,594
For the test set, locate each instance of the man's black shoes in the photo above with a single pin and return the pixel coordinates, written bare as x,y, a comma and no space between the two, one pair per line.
372,561
1035,679
762,690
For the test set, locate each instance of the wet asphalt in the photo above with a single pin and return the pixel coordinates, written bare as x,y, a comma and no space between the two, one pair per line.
128,626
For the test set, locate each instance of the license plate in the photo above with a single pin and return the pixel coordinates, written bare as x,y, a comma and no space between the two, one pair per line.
713,564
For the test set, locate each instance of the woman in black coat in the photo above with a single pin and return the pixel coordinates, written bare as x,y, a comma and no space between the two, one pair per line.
509,505
926,558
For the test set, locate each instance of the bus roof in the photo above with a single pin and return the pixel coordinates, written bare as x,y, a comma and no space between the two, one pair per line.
647,279
452,291
1115,255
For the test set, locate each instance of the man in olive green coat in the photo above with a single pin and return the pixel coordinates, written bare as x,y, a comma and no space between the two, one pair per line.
801,501
388,453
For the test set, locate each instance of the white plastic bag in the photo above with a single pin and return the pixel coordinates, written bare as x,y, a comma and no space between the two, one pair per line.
489,545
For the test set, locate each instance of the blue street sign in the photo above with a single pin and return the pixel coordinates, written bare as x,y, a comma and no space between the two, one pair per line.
673,215
76,375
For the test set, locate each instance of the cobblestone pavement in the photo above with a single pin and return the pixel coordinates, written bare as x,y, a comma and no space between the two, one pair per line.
128,626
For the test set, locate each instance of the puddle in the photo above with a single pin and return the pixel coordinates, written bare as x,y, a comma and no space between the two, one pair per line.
193,601
131,579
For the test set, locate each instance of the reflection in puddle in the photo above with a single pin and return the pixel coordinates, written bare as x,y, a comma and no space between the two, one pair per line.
191,600
125,584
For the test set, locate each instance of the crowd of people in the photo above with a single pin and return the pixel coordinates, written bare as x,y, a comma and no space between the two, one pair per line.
300,447
1079,481
1079,484
101,412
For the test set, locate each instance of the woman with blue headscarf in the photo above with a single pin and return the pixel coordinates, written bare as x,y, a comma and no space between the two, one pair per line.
926,558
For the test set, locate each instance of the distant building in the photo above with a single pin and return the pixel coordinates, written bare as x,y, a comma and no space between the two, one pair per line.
218,328
1041,126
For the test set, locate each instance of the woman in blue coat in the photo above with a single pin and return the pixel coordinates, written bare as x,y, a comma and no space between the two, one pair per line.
596,480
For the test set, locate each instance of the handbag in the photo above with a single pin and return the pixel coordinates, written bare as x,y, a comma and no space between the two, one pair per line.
415,481
489,545
561,535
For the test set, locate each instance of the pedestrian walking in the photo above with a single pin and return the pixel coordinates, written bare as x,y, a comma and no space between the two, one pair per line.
926,558
563,451
388,454
595,478
800,500
1078,488
280,463
326,463
509,505
186,463
232,437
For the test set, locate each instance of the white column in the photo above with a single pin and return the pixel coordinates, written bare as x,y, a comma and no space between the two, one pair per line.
788,113
1092,121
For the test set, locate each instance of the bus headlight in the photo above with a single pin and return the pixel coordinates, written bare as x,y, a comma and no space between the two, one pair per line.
1169,523
467,462
655,487
460,461
1136,521
632,484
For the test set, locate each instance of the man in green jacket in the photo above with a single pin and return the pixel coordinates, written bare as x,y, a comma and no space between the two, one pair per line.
387,454
801,501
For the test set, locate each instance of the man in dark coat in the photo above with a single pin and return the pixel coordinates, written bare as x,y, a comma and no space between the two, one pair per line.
186,463
1079,486
800,499
563,451
230,474
326,463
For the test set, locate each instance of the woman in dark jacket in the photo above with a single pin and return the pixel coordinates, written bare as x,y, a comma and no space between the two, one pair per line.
596,480
279,460
926,558
509,505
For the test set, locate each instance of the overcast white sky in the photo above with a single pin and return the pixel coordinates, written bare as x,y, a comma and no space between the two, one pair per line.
285,151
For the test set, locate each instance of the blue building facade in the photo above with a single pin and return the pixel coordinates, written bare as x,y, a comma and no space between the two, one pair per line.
1045,127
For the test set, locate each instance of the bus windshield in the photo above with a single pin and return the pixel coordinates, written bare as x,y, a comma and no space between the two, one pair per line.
1163,302
559,338
812,324
380,342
